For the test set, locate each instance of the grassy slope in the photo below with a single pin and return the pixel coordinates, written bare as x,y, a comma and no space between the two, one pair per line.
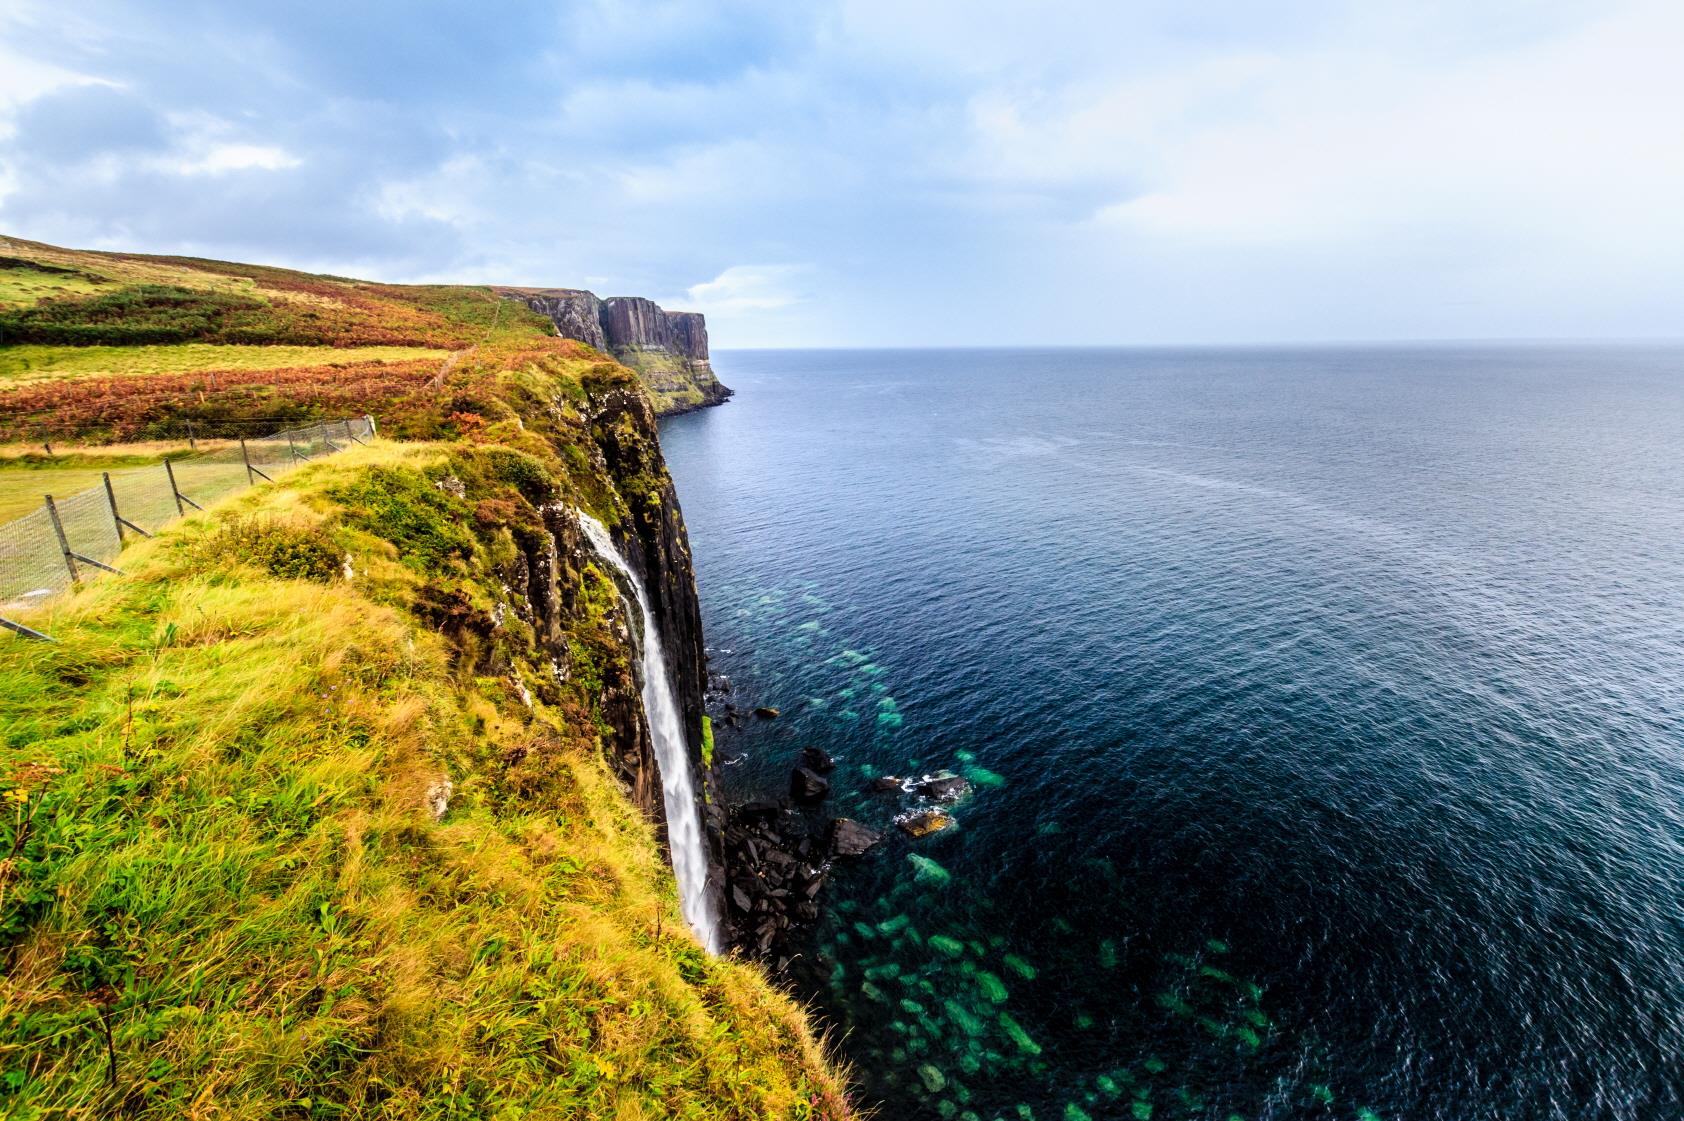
26,363
111,346
226,894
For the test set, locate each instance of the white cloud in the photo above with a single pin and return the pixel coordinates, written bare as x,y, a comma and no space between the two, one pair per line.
238,157
750,288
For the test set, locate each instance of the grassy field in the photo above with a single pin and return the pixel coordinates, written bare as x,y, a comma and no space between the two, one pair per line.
30,363
27,473
21,489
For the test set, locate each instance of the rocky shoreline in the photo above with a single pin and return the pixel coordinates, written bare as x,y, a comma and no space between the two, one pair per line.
781,851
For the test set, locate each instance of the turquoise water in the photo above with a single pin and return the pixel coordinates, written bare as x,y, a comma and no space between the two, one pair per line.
1322,709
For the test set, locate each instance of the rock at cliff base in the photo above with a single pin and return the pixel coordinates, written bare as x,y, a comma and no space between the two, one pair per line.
766,712
817,759
849,838
808,785
923,824
944,788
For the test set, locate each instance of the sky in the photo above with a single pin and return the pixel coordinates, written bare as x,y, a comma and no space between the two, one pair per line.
892,172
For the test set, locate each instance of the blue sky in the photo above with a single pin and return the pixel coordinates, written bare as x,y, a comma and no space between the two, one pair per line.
889,172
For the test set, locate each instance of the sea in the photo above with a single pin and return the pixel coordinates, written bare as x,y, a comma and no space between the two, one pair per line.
1322,708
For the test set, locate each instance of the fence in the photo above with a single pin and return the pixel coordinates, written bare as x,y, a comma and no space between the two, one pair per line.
74,536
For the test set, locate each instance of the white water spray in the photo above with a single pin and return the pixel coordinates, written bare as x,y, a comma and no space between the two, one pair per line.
672,756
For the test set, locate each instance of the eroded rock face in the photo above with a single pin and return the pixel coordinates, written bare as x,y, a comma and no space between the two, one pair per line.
668,349
577,314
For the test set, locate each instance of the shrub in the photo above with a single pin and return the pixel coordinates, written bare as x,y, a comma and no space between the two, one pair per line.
285,550
412,512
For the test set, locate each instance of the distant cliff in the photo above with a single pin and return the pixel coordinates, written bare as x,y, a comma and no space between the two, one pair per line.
668,349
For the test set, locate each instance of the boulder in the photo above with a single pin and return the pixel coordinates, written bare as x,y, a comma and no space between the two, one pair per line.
817,759
923,824
766,712
944,788
883,784
849,838
808,785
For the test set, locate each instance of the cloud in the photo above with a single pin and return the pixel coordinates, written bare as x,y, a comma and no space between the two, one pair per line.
977,172
749,288
239,157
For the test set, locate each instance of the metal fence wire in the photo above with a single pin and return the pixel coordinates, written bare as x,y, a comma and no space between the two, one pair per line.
72,537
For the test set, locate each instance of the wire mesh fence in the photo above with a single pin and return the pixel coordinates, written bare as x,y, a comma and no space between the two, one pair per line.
72,537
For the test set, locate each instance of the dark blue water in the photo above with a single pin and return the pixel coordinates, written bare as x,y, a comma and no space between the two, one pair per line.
1326,711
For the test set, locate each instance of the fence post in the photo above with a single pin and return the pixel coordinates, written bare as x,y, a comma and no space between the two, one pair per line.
250,470
325,440
292,447
176,491
122,522
369,417
111,500
191,442
63,542
349,435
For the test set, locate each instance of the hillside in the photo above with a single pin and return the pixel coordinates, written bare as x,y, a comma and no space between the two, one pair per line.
341,801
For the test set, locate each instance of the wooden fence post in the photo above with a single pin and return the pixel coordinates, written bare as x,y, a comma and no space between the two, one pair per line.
250,470
175,490
119,519
63,542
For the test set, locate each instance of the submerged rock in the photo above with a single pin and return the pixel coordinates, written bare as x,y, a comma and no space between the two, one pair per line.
923,824
849,838
883,784
928,871
766,712
808,785
818,760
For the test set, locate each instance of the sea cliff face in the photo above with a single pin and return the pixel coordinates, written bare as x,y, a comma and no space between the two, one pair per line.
668,349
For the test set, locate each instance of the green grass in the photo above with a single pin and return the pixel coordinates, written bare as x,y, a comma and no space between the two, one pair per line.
21,286
27,363
21,489
228,895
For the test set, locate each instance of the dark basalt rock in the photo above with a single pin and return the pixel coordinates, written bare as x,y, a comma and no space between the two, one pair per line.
818,760
944,788
807,785
849,838
883,784
775,881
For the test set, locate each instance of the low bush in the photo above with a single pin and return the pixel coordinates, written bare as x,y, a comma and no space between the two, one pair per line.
285,550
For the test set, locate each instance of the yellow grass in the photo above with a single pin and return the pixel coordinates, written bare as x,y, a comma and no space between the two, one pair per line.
23,365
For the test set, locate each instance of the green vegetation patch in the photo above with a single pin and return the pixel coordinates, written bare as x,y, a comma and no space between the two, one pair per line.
286,550
142,313
412,511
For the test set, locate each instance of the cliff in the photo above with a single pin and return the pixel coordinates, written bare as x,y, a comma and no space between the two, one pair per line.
344,793
668,349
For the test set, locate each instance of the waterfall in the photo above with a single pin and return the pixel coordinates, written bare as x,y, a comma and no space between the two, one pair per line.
672,755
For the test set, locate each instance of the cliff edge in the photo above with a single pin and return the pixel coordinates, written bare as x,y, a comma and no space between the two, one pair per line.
341,799
668,349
